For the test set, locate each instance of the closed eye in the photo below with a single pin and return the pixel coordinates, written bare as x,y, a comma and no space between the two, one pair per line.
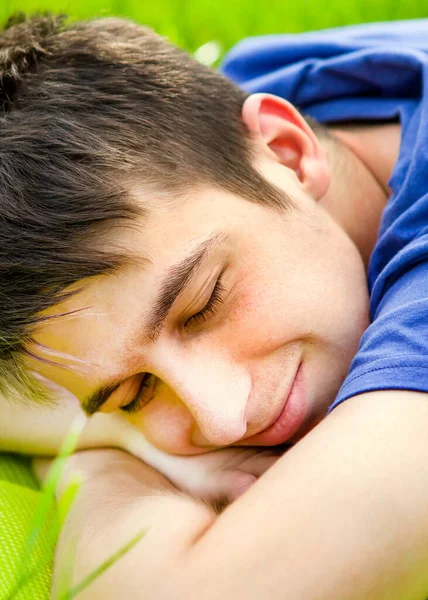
212,306
143,396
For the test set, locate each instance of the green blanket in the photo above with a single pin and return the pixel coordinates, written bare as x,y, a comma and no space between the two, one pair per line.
19,498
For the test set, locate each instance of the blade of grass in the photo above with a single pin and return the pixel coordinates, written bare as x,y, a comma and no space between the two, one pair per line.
54,475
65,577
67,499
72,593
47,500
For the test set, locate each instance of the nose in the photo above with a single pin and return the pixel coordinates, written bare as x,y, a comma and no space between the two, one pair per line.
216,394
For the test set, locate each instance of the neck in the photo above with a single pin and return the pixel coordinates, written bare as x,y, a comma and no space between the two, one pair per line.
361,159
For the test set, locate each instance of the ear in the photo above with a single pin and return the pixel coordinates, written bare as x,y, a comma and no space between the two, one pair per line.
283,134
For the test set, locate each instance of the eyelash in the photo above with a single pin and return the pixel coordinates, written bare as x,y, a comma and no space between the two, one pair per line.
139,401
209,310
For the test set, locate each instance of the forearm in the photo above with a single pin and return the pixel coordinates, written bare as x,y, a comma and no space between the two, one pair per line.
121,496
345,520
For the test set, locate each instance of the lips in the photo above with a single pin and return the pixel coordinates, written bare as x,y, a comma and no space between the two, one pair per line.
293,412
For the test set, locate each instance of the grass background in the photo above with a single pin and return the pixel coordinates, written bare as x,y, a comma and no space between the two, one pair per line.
192,23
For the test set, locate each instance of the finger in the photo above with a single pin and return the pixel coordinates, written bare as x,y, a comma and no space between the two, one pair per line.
259,463
242,484
235,483
229,485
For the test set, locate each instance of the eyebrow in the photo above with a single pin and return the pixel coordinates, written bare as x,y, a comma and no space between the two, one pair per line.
93,403
176,280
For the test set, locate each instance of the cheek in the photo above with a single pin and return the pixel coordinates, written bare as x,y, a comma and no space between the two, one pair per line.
315,292
167,424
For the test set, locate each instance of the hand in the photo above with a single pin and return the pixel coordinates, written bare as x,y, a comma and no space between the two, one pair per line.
222,475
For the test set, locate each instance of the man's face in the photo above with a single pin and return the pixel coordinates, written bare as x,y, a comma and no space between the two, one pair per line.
295,294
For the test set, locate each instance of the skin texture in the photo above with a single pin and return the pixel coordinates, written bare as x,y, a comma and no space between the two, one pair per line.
295,293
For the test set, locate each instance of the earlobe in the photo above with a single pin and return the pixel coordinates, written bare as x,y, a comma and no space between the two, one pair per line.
283,134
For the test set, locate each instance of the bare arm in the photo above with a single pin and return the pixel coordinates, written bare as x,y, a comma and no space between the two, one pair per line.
343,515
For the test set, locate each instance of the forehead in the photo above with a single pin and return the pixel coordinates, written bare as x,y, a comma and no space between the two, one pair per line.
174,220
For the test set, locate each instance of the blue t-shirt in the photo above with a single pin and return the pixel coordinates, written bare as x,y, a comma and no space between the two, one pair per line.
363,72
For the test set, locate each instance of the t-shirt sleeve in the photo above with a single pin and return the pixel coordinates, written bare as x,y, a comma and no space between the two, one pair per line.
393,352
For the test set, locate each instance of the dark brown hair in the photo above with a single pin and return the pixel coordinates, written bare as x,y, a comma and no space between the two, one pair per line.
87,107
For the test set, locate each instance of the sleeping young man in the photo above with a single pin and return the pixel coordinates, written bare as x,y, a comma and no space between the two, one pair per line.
226,286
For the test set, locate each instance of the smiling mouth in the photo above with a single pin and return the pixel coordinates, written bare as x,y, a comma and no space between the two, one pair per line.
293,411
281,408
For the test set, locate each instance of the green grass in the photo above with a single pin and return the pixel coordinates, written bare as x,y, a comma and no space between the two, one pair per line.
191,23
